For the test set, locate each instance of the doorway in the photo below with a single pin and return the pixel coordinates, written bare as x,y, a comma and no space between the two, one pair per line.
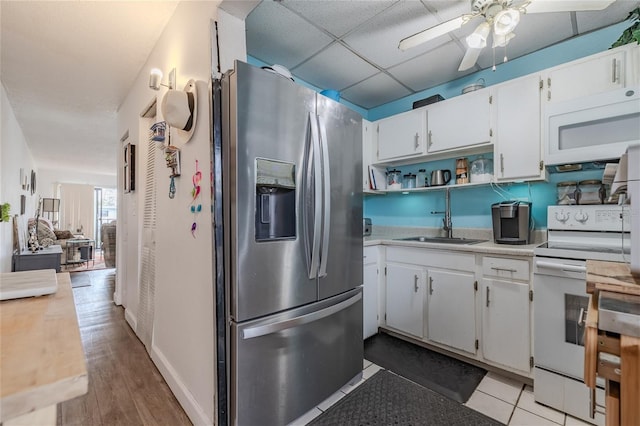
106,210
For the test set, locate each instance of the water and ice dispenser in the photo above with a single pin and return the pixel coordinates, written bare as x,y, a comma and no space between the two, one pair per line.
275,200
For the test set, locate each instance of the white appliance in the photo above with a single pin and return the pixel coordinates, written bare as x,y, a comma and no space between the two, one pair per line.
633,188
592,128
575,234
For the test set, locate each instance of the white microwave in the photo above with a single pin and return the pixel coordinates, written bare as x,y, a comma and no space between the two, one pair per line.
592,128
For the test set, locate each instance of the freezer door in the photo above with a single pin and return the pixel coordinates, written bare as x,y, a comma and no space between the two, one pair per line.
269,137
341,139
288,363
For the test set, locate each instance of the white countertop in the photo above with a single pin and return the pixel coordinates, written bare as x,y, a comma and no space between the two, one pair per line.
390,236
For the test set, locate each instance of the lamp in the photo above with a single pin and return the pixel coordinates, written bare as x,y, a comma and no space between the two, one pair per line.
155,79
51,206
478,39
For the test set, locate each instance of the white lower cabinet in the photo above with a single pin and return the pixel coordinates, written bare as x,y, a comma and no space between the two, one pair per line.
405,298
474,305
506,313
370,299
451,313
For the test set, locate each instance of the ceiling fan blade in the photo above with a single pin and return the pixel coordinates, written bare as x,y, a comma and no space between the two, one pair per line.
470,58
543,6
431,33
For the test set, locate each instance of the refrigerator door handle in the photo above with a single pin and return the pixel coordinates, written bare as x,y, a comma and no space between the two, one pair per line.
263,330
317,205
326,194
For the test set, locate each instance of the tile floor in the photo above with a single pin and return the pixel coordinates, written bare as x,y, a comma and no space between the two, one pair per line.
504,399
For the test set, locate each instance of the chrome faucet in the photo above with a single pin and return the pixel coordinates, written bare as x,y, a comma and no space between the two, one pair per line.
446,221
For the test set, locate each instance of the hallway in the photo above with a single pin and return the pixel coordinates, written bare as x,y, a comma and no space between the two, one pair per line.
125,387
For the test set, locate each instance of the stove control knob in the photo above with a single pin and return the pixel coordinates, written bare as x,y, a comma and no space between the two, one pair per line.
582,217
562,216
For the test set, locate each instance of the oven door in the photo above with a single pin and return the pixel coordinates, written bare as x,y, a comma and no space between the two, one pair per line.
560,299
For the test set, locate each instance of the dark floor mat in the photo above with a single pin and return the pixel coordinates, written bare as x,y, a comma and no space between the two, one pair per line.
388,399
448,376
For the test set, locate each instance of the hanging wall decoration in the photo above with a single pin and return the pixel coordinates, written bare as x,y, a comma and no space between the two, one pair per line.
196,206
129,164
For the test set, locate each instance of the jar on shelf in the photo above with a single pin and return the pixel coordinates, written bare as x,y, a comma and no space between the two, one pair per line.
590,192
394,179
462,171
421,179
409,181
566,192
481,170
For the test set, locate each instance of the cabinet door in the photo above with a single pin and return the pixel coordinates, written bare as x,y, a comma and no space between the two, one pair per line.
587,77
517,146
505,323
370,299
451,309
367,152
402,135
405,298
458,122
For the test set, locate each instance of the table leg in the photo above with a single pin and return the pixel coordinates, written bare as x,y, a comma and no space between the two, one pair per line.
630,380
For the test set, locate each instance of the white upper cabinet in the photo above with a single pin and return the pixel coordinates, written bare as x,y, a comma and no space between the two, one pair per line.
368,131
588,76
402,135
459,122
517,143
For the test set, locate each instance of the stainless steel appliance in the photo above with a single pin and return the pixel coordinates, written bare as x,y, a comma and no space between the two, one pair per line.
288,247
511,221
575,234
440,177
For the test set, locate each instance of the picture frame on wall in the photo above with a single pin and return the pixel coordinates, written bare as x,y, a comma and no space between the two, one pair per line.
129,172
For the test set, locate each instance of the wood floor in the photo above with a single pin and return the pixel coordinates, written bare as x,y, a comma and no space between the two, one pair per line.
125,387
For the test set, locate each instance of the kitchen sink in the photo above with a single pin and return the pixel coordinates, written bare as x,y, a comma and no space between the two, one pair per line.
443,240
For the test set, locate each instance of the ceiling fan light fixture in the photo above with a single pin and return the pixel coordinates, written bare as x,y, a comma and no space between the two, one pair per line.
501,40
506,21
478,38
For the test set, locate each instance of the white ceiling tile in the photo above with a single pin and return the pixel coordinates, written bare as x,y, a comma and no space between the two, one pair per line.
618,11
335,68
276,35
378,39
432,68
343,17
375,91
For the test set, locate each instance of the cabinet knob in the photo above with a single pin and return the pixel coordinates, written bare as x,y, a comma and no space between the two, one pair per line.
417,140
415,283
430,285
430,139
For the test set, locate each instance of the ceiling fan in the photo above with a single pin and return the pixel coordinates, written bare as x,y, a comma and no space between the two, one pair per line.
500,19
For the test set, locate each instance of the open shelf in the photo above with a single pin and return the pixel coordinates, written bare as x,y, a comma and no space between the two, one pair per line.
425,189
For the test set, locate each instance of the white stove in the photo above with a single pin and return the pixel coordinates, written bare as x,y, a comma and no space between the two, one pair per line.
590,232
575,234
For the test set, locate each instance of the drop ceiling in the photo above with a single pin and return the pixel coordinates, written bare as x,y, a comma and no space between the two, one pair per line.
67,66
352,46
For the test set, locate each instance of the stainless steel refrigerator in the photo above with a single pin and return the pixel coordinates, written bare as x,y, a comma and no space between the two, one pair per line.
288,246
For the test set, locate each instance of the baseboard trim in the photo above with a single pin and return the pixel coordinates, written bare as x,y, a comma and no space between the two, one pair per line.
182,394
131,319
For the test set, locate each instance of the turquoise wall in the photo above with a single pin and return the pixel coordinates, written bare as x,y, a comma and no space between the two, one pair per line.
471,207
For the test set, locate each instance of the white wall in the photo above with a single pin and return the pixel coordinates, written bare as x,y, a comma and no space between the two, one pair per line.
50,179
14,155
183,334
